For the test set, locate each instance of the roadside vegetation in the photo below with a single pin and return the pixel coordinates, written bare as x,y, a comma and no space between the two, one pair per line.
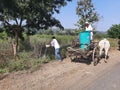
31,54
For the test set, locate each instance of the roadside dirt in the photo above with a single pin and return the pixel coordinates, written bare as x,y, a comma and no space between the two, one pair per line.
59,75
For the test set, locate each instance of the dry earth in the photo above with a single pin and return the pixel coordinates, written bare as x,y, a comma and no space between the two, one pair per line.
59,75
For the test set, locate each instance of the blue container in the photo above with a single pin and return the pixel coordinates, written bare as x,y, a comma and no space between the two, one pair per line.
84,39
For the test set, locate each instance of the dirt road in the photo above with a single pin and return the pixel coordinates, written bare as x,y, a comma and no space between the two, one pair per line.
110,80
57,75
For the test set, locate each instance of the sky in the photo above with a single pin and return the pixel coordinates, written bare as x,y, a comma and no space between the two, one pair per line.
109,10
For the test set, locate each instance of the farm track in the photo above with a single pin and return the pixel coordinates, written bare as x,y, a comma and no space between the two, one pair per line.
59,75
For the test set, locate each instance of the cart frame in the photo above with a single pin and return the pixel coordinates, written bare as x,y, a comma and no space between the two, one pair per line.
91,53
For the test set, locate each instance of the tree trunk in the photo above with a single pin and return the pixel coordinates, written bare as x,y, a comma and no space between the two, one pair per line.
15,46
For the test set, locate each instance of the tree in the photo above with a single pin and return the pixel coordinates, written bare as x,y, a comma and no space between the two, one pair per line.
114,31
19,16
86,12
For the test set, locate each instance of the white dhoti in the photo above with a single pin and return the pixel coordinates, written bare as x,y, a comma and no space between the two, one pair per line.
91,35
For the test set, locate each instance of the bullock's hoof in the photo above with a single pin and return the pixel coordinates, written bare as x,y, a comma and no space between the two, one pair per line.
105,61
107,57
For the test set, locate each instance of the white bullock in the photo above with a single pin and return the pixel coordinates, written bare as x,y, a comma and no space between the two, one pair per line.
104,45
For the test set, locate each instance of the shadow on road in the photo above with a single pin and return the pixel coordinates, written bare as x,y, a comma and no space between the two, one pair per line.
82,60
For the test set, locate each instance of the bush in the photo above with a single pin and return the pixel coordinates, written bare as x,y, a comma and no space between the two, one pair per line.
114,31
19,65
3,70
99,36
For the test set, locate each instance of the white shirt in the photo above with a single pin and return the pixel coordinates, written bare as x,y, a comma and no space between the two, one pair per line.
55,44
89,28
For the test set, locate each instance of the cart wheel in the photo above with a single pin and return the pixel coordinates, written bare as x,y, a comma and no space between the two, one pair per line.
95,56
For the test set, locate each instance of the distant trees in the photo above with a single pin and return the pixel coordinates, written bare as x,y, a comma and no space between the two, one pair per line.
114,31
86,12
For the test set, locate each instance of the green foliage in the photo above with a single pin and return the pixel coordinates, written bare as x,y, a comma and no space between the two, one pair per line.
3,63
37,39
113,43
19,65
3,70
29,14
114,31
77,32
27,59
64,39
24,45
3,35
6,44
99,36
86,12
24,63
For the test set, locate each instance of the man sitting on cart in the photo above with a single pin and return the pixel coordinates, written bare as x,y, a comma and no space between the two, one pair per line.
88,27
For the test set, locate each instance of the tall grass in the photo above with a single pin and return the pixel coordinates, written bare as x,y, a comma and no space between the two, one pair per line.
113,43
27,58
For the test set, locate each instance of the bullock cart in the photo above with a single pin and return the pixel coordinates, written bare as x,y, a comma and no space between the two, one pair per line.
91,53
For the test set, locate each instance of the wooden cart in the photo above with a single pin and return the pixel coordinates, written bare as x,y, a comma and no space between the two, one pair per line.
89,53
